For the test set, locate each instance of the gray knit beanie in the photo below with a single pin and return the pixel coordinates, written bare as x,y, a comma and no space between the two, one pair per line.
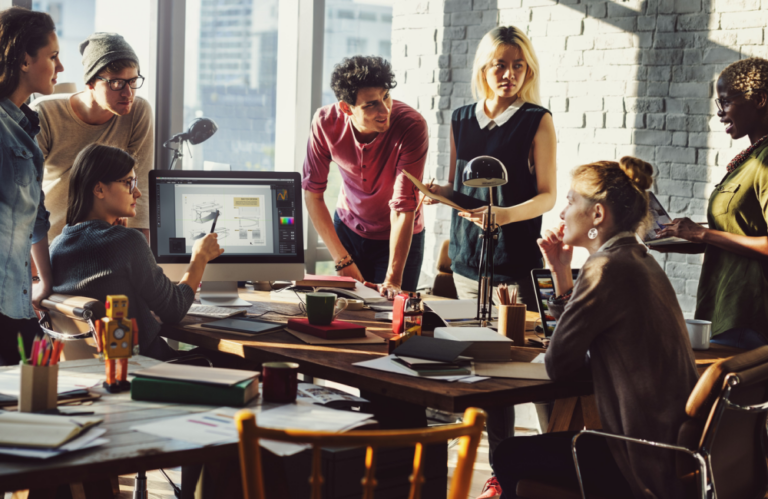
102,48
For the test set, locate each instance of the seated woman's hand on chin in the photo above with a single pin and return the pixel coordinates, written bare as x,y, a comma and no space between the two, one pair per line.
557,255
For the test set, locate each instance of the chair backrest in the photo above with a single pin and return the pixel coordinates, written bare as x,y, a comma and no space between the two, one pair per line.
68,315
443,284
469,432
731,398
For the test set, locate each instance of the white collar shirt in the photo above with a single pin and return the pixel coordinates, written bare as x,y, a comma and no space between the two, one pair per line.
484,121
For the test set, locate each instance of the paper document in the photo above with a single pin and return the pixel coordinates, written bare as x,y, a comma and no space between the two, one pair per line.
197,374
10,382
451,310
386,364
309,339
91,438
468,201
520,370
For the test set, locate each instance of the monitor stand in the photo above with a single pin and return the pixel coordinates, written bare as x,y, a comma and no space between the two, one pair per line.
221,294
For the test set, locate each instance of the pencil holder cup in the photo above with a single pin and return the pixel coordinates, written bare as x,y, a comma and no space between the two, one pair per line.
512,323
39,387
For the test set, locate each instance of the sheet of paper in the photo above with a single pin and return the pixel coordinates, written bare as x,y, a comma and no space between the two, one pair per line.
451,310
437,197
539,359
519,370
473,379
10,382
370,338
204,428
386,364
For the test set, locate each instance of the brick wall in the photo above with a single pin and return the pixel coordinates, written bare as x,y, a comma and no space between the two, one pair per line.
620,77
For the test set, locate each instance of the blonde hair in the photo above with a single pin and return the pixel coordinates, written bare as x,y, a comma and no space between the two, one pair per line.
621,187
487,49
746,74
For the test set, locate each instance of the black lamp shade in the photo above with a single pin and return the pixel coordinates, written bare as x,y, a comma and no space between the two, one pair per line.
201,130
484,171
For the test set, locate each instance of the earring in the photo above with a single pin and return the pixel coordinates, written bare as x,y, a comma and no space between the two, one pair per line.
592,233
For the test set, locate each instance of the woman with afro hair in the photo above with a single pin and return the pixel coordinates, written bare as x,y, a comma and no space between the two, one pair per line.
733,287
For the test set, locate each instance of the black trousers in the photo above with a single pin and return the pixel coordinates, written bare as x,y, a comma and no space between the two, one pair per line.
547,458
9,344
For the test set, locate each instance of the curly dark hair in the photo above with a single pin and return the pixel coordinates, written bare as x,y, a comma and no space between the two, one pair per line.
22,32
356,72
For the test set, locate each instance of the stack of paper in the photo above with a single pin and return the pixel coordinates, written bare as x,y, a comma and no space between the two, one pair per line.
43,436
486,344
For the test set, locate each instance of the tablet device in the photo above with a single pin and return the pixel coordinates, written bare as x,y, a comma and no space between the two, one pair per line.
659,217
545,287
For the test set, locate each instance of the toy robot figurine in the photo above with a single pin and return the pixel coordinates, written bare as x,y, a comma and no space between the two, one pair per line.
117,339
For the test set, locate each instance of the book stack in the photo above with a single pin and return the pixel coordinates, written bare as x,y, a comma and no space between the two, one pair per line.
336,330
42,436
485,343
424,356
326,281
195,385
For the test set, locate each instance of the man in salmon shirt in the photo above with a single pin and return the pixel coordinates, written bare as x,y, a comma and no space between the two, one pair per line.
377,233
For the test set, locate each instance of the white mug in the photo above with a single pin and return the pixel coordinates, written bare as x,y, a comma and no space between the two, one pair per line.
699,332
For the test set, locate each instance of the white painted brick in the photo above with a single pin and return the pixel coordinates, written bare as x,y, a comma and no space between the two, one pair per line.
573,74
644,104
565,28
580,104
754,51
596,152
595,119
720,55
680,139
741,20
583,42
614,41
689,89
457,6
616,136
466,18
483,5
461,75
490,18
539,3
646,153
514,16
736,5
673,187
509,4
652,138
569,120
550,44
656,121
615,104
597,11
558,104
658,89
537,30
666,154
406,8
614,120
646,23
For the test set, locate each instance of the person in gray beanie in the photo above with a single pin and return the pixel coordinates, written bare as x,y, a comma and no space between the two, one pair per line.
108,112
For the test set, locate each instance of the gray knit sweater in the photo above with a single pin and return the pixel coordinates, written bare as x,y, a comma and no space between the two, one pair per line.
95,259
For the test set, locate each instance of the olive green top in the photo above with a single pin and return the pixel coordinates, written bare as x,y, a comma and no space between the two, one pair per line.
733,289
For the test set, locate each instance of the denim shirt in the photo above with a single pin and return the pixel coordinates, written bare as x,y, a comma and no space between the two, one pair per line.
23,217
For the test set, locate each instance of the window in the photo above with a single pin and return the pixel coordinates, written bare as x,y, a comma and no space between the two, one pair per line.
231,78
76,20
345,14
356,46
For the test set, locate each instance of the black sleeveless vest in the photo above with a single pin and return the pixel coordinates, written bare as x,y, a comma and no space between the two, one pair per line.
516,251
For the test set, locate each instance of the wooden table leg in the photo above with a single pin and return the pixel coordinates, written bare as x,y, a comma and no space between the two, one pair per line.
574,414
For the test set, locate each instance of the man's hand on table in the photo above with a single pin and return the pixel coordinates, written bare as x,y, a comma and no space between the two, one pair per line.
351,271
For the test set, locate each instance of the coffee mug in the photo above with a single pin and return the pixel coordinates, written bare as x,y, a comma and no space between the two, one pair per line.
280,381
699,332
322,308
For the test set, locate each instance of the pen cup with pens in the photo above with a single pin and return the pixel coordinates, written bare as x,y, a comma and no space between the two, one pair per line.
39,375
511,315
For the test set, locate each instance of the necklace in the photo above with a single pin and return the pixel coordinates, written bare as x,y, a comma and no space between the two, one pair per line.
743,155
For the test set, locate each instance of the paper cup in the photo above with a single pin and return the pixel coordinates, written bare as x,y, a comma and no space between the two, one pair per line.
699,332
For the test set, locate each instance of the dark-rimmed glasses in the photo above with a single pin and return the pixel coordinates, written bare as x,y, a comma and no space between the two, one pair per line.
129,182
119,84
723,103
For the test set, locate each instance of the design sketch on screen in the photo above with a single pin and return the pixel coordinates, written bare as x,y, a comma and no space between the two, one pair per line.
241,218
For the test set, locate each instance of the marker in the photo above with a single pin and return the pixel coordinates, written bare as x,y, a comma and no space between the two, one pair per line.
215,218
21,348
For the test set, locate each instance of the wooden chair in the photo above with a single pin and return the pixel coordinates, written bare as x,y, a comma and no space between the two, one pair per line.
70,318
721,447
469,432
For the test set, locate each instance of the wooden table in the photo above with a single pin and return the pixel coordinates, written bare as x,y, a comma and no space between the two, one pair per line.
335,364
127,451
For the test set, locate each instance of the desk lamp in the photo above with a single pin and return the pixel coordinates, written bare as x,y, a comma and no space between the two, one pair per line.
199,131
486,171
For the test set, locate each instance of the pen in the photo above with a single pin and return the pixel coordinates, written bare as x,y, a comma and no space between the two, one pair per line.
424,196
46,355
21,349
215,218
40,348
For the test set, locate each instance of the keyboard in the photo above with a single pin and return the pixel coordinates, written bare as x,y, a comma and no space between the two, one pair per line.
214,312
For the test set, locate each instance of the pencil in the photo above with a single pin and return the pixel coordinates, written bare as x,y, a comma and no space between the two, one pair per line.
21,348
215,218
424,196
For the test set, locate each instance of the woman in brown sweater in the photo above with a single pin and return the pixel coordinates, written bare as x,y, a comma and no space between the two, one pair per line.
622,318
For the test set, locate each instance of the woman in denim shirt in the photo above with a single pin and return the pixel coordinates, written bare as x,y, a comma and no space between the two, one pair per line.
29,63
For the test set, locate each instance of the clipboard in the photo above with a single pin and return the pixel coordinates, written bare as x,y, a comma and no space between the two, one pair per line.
457,201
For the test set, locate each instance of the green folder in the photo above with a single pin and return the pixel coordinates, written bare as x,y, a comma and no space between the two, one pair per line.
185,392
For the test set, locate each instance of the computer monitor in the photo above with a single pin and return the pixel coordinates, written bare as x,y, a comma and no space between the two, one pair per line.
259,225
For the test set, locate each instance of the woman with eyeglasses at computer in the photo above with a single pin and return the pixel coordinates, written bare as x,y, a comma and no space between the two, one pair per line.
29,63
622,317
96,255
733,285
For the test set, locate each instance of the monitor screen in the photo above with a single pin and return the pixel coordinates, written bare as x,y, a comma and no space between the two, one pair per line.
257,215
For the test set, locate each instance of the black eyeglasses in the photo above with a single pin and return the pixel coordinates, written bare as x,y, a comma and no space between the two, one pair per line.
119,84
723,103
130,182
